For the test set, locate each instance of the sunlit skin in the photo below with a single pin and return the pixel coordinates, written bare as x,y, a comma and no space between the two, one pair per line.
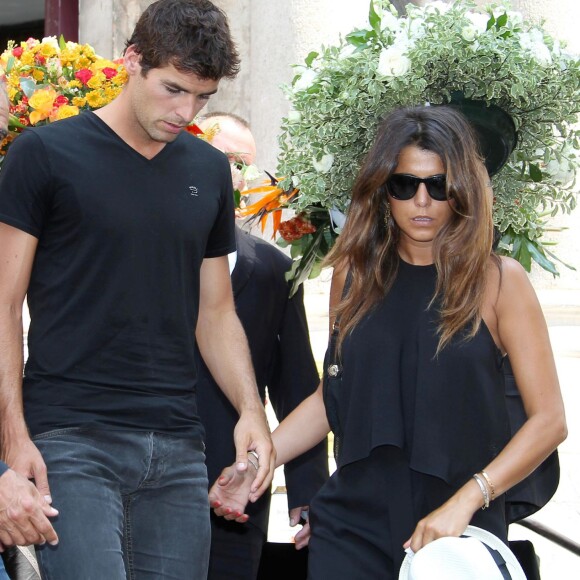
235,140
153,109
421,217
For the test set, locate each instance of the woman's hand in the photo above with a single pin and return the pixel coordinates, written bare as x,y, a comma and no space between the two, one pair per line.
229,495
450,519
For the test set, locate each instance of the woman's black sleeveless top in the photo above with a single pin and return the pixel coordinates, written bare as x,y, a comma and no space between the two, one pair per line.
446,412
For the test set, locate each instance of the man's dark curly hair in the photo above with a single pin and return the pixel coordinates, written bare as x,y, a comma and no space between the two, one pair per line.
192,35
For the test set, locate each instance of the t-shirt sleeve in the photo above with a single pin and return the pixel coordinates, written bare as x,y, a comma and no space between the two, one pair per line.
24,178
3,468
222,239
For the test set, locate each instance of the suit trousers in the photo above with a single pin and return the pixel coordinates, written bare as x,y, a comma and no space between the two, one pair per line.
236,550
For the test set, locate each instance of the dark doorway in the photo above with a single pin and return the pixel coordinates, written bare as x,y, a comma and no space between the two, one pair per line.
23,19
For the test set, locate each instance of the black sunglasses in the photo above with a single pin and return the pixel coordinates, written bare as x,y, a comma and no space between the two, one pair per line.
402,186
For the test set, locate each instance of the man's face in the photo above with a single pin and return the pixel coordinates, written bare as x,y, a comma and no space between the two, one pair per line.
232,138
236,141
166,100
4,111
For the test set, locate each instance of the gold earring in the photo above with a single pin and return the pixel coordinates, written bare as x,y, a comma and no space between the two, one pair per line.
387,216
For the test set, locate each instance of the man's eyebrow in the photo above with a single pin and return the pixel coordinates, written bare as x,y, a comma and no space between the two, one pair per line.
177,86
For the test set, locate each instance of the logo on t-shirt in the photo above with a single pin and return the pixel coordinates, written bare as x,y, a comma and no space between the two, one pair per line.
193,190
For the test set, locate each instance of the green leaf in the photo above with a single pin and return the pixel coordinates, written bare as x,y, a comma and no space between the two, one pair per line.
10,64
360,38
501,21
522,254
490,22
535,173
537,253
28,86
310,58
374,18
62,42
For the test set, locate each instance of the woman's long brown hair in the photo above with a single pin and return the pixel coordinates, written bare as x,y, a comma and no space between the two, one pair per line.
367,246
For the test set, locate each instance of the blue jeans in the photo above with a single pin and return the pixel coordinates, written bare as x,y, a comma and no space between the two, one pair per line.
132,505
3,575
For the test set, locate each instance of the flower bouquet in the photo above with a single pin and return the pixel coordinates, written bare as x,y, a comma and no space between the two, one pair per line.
434,54
49,80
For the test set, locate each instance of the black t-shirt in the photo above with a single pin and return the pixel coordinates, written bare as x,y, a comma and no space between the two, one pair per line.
114,290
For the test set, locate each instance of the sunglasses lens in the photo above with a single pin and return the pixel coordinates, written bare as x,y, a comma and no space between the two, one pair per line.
405,187
436,187
402,186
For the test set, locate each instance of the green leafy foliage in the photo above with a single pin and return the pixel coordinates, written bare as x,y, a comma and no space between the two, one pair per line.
489,54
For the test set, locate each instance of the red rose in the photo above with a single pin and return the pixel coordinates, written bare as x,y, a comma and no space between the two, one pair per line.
17,51
84,75
109,72
60,101
40,58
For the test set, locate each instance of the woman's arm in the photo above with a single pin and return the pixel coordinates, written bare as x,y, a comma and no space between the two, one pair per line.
304,428
515,319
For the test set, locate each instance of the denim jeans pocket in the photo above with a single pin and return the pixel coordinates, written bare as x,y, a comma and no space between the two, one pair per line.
58,432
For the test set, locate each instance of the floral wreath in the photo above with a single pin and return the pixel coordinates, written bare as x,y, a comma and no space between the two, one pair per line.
437,54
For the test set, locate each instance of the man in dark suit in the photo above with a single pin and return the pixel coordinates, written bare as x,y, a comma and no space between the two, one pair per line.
277,333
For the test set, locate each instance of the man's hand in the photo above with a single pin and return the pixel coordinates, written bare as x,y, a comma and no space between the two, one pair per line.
229,495
24,458
252,434
24,513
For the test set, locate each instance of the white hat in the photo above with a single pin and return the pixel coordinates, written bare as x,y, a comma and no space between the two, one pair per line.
464,558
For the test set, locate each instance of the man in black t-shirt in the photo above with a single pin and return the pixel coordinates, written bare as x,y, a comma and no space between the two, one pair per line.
116,225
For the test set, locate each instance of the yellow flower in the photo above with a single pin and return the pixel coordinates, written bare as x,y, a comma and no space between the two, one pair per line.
66,111
75,84
37,74
79,101
95,100
27,58
96,81
42,102
47,50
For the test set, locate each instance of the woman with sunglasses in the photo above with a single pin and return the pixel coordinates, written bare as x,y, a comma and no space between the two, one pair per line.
425,313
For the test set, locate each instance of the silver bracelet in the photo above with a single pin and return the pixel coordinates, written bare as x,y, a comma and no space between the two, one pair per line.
484,491
255,462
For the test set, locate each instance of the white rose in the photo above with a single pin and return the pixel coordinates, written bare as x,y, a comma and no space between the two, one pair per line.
294,117
437,6
468,33
305,81
525,40
478,20
553,167
389,21
52,41
393,62
541,53
515,18
323,164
